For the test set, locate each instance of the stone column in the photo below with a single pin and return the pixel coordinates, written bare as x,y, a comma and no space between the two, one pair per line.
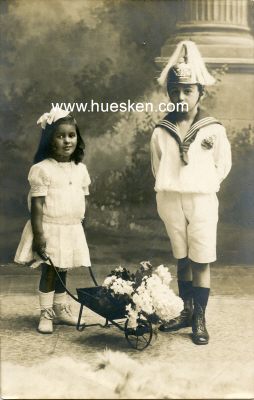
221,31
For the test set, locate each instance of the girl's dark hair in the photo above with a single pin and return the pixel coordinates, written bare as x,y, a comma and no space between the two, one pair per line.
44,149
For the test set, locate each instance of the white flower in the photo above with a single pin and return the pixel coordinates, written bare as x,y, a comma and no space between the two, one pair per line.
152,296
164,274
132,316
143,301
109,281
119,269
118,285
162,300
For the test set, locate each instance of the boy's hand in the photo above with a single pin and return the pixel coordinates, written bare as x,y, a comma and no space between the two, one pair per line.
39,245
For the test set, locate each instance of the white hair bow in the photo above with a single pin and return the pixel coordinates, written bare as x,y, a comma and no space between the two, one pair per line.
54,114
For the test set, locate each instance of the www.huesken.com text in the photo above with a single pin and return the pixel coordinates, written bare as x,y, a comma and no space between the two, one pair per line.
93,106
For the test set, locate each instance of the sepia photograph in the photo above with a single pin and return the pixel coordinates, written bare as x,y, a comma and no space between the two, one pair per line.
127,199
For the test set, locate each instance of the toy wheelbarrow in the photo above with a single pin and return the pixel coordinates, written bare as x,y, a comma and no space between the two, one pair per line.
101,302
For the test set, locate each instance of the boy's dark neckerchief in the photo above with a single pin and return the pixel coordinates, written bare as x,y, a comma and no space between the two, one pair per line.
169,123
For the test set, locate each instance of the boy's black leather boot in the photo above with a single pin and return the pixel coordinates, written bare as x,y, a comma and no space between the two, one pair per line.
185,317
199,332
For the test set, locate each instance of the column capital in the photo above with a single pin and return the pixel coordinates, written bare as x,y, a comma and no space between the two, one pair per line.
219,28
212,15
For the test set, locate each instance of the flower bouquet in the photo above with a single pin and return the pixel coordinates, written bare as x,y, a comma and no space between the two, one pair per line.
146,292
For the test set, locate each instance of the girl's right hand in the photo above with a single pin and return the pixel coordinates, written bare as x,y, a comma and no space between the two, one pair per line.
39,245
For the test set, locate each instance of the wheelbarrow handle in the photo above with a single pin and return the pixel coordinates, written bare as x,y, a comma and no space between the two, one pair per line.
92,276
45,257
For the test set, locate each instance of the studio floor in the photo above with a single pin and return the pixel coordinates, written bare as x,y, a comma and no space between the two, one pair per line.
97,363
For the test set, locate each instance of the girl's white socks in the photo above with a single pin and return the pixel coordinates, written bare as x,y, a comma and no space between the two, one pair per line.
46,299
60,298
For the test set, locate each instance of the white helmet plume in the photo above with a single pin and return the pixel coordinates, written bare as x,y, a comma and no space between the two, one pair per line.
188,49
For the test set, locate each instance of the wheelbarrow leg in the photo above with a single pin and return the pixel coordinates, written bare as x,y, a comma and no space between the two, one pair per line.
80,327
107,325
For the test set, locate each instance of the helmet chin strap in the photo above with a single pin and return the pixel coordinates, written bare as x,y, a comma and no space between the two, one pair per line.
201,92
199,97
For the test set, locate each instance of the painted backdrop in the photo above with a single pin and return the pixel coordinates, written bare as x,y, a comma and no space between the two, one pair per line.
75,51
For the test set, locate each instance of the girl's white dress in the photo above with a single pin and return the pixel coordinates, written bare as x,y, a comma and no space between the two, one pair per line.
64,185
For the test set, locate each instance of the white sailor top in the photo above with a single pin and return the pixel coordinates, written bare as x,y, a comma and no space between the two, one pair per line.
198,164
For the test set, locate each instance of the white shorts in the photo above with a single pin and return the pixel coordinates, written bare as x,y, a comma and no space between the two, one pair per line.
191,223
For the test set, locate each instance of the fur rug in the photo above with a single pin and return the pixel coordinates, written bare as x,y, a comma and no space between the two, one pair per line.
116,376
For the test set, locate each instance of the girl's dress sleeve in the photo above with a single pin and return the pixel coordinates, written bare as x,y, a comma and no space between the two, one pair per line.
222,154
39,179
155,152
85,180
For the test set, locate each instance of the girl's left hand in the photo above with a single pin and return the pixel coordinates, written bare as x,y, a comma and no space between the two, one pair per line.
39,241
39,245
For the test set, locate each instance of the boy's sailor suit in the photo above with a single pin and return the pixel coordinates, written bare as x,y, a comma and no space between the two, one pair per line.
187,175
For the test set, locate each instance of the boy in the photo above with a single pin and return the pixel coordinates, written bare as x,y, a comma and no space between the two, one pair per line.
190,158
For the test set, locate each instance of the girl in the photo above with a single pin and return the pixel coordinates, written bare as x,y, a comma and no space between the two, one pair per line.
59,183
190,158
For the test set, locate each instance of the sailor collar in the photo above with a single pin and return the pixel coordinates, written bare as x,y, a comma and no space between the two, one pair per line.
201,120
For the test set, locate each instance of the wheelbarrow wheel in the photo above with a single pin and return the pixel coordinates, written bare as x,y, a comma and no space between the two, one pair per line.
140,337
